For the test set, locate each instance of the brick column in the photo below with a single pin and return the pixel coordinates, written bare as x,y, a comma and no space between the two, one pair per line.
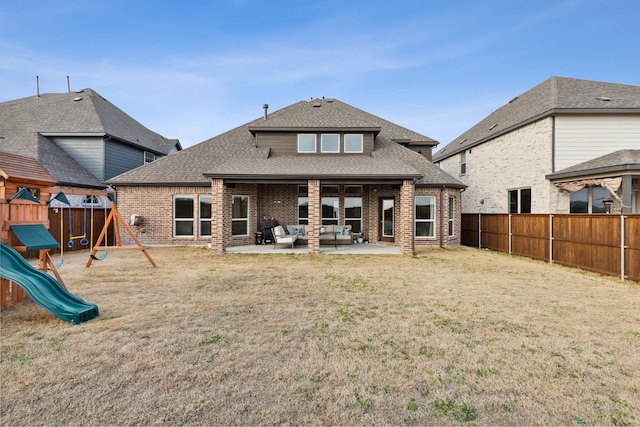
405,216
218,214
314,216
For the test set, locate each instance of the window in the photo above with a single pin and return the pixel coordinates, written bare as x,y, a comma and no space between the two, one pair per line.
463,163
519,201
330,210
182,215
306,143
330,189
353,213
425,216
452,202
91,200
330,143
589,200
205,215
239,215
149,157
303,190
353,143
303,210
353,189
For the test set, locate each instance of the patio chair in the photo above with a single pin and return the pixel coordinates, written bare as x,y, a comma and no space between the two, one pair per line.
281,237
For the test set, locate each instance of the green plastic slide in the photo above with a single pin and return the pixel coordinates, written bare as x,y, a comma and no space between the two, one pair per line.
44,289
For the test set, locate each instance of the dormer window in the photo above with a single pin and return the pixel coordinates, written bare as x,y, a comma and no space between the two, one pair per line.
353,143
306,143
330,143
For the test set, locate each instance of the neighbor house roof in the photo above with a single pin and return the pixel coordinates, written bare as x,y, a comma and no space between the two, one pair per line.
27,123
613,163
556,95
233,155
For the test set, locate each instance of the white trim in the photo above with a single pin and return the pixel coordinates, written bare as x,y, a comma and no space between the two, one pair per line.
322,149
431,220
361,143
176,220
315,143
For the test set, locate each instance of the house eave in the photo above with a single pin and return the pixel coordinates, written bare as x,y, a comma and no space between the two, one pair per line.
618,170
549,113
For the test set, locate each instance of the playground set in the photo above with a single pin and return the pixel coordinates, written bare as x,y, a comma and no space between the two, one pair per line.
26,189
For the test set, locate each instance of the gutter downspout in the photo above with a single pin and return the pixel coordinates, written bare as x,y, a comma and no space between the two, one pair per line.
441,217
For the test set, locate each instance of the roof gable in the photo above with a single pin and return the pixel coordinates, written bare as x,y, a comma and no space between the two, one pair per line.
234,154
556,95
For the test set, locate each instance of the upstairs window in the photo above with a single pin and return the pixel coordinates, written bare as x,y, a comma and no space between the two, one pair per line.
463,163
306,143
353,143
149,157
330,143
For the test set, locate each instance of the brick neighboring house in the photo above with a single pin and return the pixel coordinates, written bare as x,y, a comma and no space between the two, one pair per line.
314,162
565,146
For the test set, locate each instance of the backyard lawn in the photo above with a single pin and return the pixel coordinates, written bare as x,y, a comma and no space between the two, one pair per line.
443,337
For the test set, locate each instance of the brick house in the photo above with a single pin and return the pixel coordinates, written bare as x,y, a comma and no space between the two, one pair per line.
564,146
314,162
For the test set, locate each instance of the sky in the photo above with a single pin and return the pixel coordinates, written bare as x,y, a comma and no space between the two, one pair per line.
193,69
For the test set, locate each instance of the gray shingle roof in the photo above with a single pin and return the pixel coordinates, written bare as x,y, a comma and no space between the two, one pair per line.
24,121
616,162
233,154
556,95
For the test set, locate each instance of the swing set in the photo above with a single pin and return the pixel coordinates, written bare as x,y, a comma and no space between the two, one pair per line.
84,240
115,218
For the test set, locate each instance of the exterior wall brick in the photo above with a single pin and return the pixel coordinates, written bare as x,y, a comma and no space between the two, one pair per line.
518,159
280,201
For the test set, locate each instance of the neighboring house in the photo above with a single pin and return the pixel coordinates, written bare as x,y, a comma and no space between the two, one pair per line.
565,146
79,137
314,162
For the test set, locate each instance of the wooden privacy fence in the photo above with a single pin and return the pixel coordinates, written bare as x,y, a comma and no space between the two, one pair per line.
78,226
606,244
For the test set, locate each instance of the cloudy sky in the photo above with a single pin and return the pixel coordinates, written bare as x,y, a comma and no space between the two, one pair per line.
193,69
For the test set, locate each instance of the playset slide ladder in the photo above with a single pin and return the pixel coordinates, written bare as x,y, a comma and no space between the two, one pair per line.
44,289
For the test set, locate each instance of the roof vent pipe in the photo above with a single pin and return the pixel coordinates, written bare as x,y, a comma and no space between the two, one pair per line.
266,107
38,86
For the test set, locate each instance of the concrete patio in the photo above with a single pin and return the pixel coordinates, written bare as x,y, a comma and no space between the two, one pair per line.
355,249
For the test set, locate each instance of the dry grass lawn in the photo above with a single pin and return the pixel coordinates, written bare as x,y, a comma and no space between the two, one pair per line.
444,337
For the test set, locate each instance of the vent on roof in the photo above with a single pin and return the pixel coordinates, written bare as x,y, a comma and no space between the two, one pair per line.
603,98
513,99
463,140
492,127
317,104
79,91
79,98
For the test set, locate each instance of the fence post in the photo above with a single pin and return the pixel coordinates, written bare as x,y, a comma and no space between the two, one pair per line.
622,266
510,233
479,231
550,239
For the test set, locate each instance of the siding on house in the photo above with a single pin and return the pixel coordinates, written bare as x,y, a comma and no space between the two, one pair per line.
120,158
584,137
286,143
516,160
88,151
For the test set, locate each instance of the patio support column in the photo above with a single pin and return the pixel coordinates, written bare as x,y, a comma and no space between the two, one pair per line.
627,191
219,211
405,216
314,216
